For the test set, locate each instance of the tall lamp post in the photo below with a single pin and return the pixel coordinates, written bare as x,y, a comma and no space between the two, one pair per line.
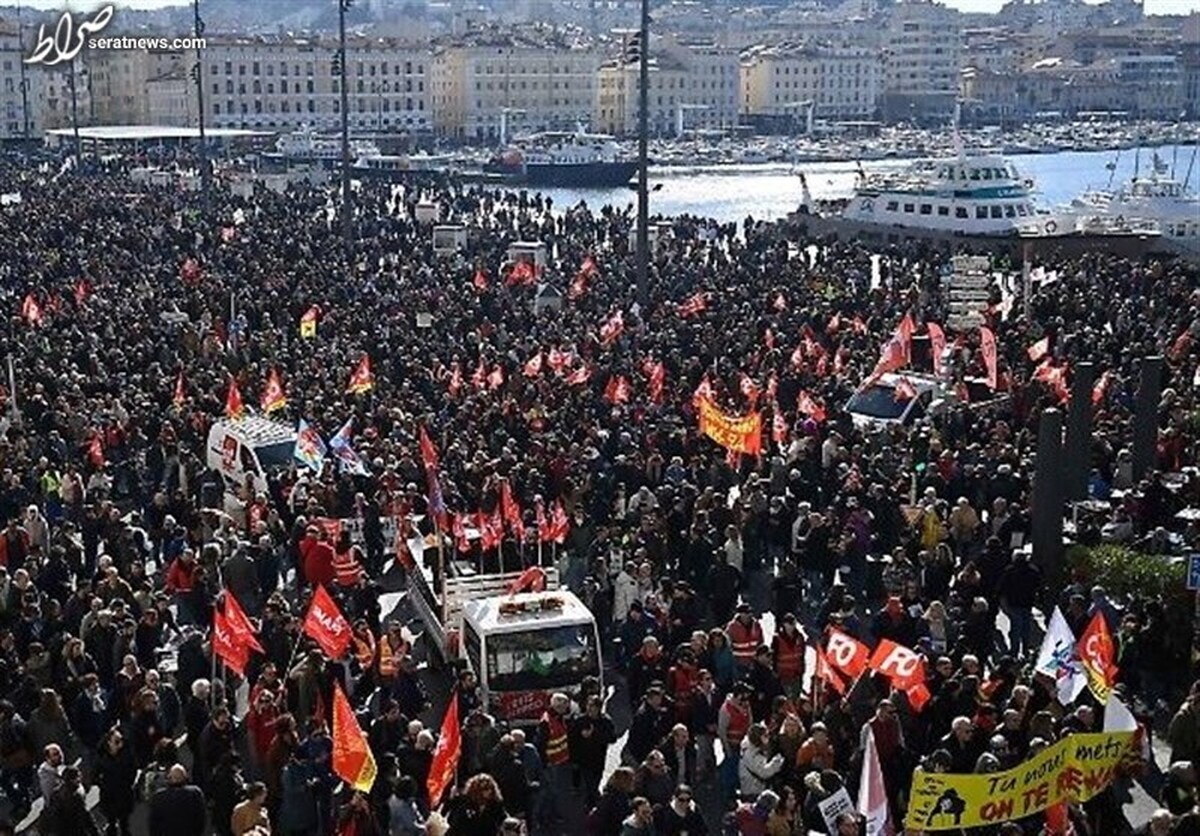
198,77
24,78
75,116
643,220
343,5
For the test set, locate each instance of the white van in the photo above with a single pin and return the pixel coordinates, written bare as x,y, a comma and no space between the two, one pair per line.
874,405
527,646
251,446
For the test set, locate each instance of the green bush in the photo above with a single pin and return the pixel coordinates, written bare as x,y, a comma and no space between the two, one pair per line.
1125,573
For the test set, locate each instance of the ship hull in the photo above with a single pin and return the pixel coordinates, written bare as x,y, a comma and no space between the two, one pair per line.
598,175
1131,245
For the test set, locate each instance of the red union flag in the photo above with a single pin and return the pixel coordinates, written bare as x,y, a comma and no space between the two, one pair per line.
937,345
326,625
446,754
225,645
578,377
612,329
904,667
352,759
273,396
846,653
827,674
1098,656
1039,349
240,624
987,344
361,379
233,400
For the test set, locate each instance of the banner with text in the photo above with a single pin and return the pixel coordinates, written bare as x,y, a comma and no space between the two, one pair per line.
1074,769
742,434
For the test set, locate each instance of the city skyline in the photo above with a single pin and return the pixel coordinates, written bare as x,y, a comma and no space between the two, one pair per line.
1153,7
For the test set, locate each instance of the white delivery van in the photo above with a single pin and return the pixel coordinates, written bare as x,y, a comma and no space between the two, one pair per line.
527,646
252,446
874,405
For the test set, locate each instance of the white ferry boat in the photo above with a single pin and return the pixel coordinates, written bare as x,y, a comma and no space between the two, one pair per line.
564,158
1159,199
306,145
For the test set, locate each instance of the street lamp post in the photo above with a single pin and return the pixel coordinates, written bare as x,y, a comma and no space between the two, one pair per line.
24,79
198,76
343,5
643,220
75,116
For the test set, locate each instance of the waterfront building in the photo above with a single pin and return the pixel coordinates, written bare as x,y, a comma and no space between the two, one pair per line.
921,64
841,81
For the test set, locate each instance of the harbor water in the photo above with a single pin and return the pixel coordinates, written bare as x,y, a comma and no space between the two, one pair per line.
730,193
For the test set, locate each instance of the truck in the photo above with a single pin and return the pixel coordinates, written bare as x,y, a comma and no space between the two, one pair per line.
522,646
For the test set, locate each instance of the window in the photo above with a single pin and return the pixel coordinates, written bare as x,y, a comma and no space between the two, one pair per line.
997,211
926,209
1022,211
256,68
960,211
1010,211
229,87
943,211
981,213
908,207
241,69
216,109
541,659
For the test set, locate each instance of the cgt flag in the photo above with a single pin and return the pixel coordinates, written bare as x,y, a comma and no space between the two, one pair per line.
1098,657
352,759
446,755
273,396
363,379
326,625
308,322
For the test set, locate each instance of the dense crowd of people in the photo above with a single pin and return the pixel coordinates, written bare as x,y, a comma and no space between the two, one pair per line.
714,576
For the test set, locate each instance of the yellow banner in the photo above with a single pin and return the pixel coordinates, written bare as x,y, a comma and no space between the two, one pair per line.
742,435
1075,769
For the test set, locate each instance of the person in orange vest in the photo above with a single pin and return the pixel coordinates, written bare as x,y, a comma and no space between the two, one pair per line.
745,636
733,722
556,756
788,648
393,647
363,644
347,568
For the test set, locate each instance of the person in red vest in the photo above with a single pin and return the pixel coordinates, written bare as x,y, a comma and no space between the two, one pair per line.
318,562
556,754
180,581
745,636
347,566
733,721
788,648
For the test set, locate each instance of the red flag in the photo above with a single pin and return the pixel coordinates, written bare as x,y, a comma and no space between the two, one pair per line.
481,280
987,344
827,673
1180,347
31,311
1039,349
461,541
446,754
612,329
180,397
839,360
1100,389
96,450
835,322
326,625
496,379
362,380
657,374
704,391
491,529
904,333
479,378
578,377
617,390
429,453
807,406
190,271
239,623
798,357
533,366
1058,820
846,653
1098,656
558,360
580,284
769,339
904,667
308,322
456,379
905,391
82,290
522,273
352,759
892,358
273,396
225,645
233,400
937,345
560,525
1055,377
532,579
749,389
510,509
694,304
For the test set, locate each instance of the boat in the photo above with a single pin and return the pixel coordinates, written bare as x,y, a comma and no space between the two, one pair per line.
1158,198
564,158
397,168
305,145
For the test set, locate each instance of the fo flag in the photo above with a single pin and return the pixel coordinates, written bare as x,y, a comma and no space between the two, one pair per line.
904,667
326,625
226,646
446,755
352,759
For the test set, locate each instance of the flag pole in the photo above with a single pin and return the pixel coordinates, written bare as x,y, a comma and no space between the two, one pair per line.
441,570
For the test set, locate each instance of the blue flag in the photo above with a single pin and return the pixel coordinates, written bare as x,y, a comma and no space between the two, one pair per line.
310,449
349,460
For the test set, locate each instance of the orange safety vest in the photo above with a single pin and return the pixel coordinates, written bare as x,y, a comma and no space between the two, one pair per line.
789,656
739,723
744,641
556,739
364,650
389,660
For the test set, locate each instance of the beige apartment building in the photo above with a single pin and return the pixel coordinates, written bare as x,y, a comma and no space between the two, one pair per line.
921,60
842,82
119,78
693,85
47,100
530,82
286,83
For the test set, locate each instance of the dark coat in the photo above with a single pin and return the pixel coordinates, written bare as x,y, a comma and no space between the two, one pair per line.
178,811
116,775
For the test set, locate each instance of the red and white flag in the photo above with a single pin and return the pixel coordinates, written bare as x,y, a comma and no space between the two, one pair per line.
445,755
579,377
872,794
807,406
612,329
905,391
937,345
326,625
31,311
694,304
1039,349
533,366
617,390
